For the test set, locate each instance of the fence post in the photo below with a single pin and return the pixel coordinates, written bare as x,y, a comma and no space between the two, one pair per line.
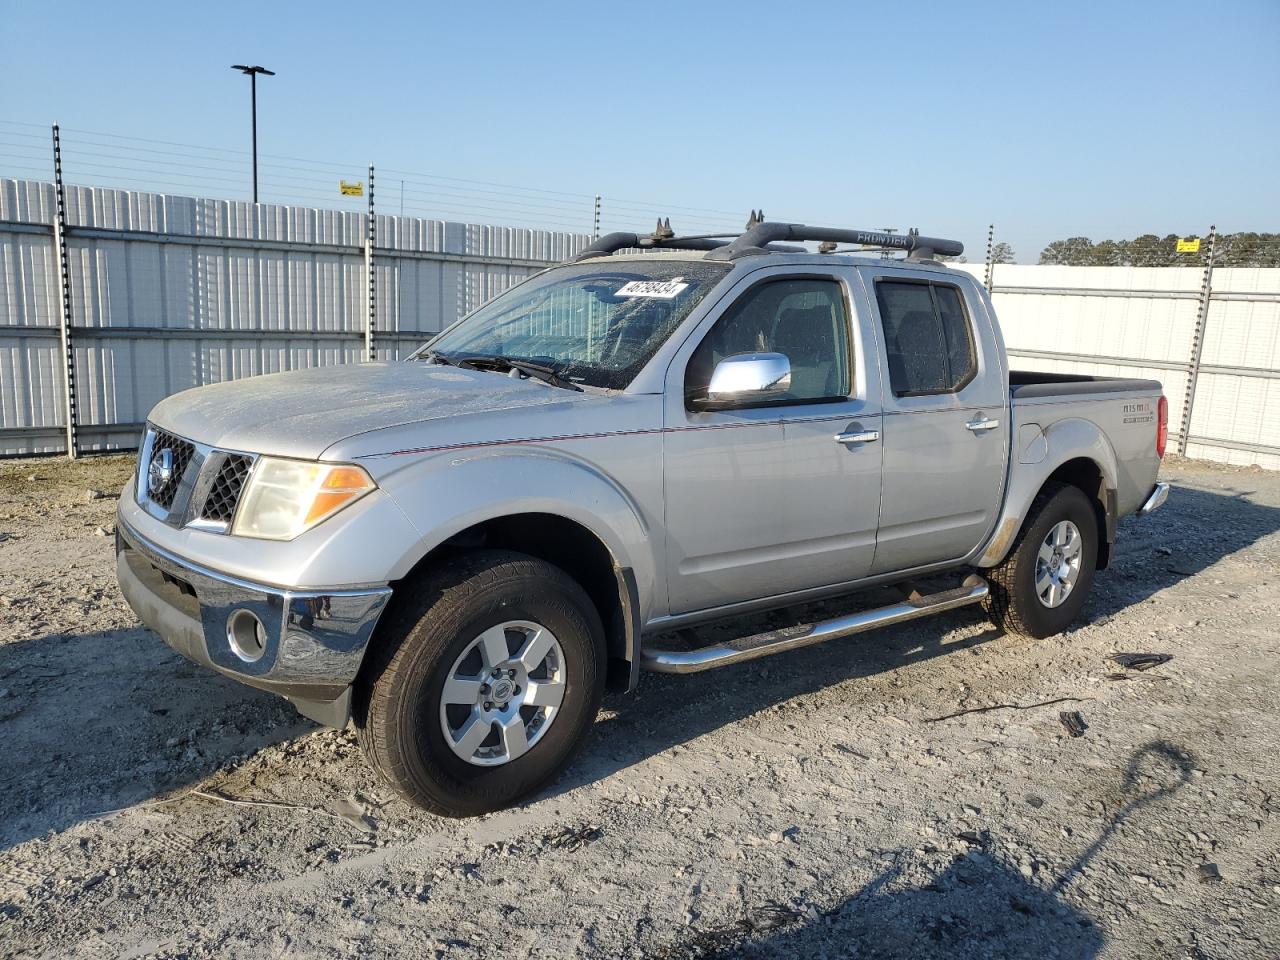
64,288
991,252
595,222
1197,342
371,278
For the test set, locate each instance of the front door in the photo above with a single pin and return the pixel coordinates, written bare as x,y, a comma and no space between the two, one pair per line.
945,432
766,500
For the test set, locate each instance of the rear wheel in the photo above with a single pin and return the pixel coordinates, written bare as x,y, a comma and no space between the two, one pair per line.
484,683
1041,586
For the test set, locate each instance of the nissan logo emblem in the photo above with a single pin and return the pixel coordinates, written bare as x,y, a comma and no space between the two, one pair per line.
160,472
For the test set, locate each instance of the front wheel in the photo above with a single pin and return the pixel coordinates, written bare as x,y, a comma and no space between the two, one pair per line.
483,683
1039,589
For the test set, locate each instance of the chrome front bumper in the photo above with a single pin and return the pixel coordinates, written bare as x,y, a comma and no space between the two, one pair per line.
1159,494
312,642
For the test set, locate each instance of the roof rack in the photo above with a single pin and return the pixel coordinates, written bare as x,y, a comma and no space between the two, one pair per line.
663,236
755,240
762,236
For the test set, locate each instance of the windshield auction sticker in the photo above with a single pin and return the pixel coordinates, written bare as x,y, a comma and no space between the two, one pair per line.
660,289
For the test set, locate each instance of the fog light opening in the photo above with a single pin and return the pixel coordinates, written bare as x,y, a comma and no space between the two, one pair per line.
247,636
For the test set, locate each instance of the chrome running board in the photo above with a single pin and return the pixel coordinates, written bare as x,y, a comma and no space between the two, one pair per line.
973,590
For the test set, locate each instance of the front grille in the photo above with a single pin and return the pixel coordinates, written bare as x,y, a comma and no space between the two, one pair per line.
187,483
224,493
161,490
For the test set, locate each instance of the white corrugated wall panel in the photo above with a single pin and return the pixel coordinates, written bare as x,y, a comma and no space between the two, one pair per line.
30,371
1098,326
1185,279
30,392
1244,333
28,280
1241,334
1131,327
26,201
1228,407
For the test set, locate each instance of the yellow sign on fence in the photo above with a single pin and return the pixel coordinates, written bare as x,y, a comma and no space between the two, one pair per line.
1189,246
357,190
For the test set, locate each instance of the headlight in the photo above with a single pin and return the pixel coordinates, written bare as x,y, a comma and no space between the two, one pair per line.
286,497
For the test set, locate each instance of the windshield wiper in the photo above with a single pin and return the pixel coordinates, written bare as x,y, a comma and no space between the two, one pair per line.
529,368
545,373
440,358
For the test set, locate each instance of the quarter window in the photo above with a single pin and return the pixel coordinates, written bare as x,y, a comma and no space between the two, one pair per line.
804,319
927,336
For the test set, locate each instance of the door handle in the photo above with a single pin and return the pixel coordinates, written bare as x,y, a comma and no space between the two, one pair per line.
981,423
866,436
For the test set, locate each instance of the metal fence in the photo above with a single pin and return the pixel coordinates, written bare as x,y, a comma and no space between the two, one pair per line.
1211,336
111,300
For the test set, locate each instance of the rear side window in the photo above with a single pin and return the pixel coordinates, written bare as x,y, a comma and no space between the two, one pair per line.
927,337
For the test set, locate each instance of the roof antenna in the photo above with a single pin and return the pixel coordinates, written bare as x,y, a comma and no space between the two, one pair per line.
663,230
756,218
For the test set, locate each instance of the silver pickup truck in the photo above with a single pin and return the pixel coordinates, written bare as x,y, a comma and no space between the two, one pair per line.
460,553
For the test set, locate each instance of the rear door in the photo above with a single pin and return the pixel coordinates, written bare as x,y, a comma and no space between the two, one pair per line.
945,433
766,500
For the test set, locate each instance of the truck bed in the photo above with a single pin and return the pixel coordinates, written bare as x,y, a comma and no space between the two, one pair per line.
1029,384
1124,410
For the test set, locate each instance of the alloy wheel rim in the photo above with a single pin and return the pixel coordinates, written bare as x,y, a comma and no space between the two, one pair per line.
1058,563
502,693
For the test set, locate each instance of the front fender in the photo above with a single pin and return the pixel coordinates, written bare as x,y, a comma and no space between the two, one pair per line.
1037,454
445,494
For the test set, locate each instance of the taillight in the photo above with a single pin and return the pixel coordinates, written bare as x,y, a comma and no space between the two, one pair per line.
1162,429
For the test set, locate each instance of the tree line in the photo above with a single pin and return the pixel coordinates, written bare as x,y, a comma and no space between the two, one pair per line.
1148,250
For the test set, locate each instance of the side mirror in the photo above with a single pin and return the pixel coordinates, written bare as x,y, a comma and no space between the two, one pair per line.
745,379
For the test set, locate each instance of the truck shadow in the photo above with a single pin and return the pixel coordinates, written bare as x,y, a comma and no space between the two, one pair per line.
1193,531
1197,529
668,711
978,905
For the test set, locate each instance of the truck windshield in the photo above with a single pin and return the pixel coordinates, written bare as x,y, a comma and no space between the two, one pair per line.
592,324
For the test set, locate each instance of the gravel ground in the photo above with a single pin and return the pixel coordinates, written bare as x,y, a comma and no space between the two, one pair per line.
811,805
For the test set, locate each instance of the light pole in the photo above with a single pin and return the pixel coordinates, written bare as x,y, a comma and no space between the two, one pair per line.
252,73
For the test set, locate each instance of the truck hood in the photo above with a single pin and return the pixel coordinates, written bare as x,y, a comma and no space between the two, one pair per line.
302,413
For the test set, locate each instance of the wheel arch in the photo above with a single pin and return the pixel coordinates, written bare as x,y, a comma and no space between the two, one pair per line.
578,551
1077,454
1085,474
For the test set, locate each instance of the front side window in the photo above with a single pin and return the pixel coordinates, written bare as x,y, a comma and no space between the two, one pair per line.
804,319
596,324
927,337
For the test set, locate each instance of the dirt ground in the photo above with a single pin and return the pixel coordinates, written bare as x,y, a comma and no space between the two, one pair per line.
810,805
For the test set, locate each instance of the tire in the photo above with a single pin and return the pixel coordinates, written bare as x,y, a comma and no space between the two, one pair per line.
435,633
1015,604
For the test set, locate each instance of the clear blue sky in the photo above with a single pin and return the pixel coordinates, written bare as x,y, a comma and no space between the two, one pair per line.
1051,120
